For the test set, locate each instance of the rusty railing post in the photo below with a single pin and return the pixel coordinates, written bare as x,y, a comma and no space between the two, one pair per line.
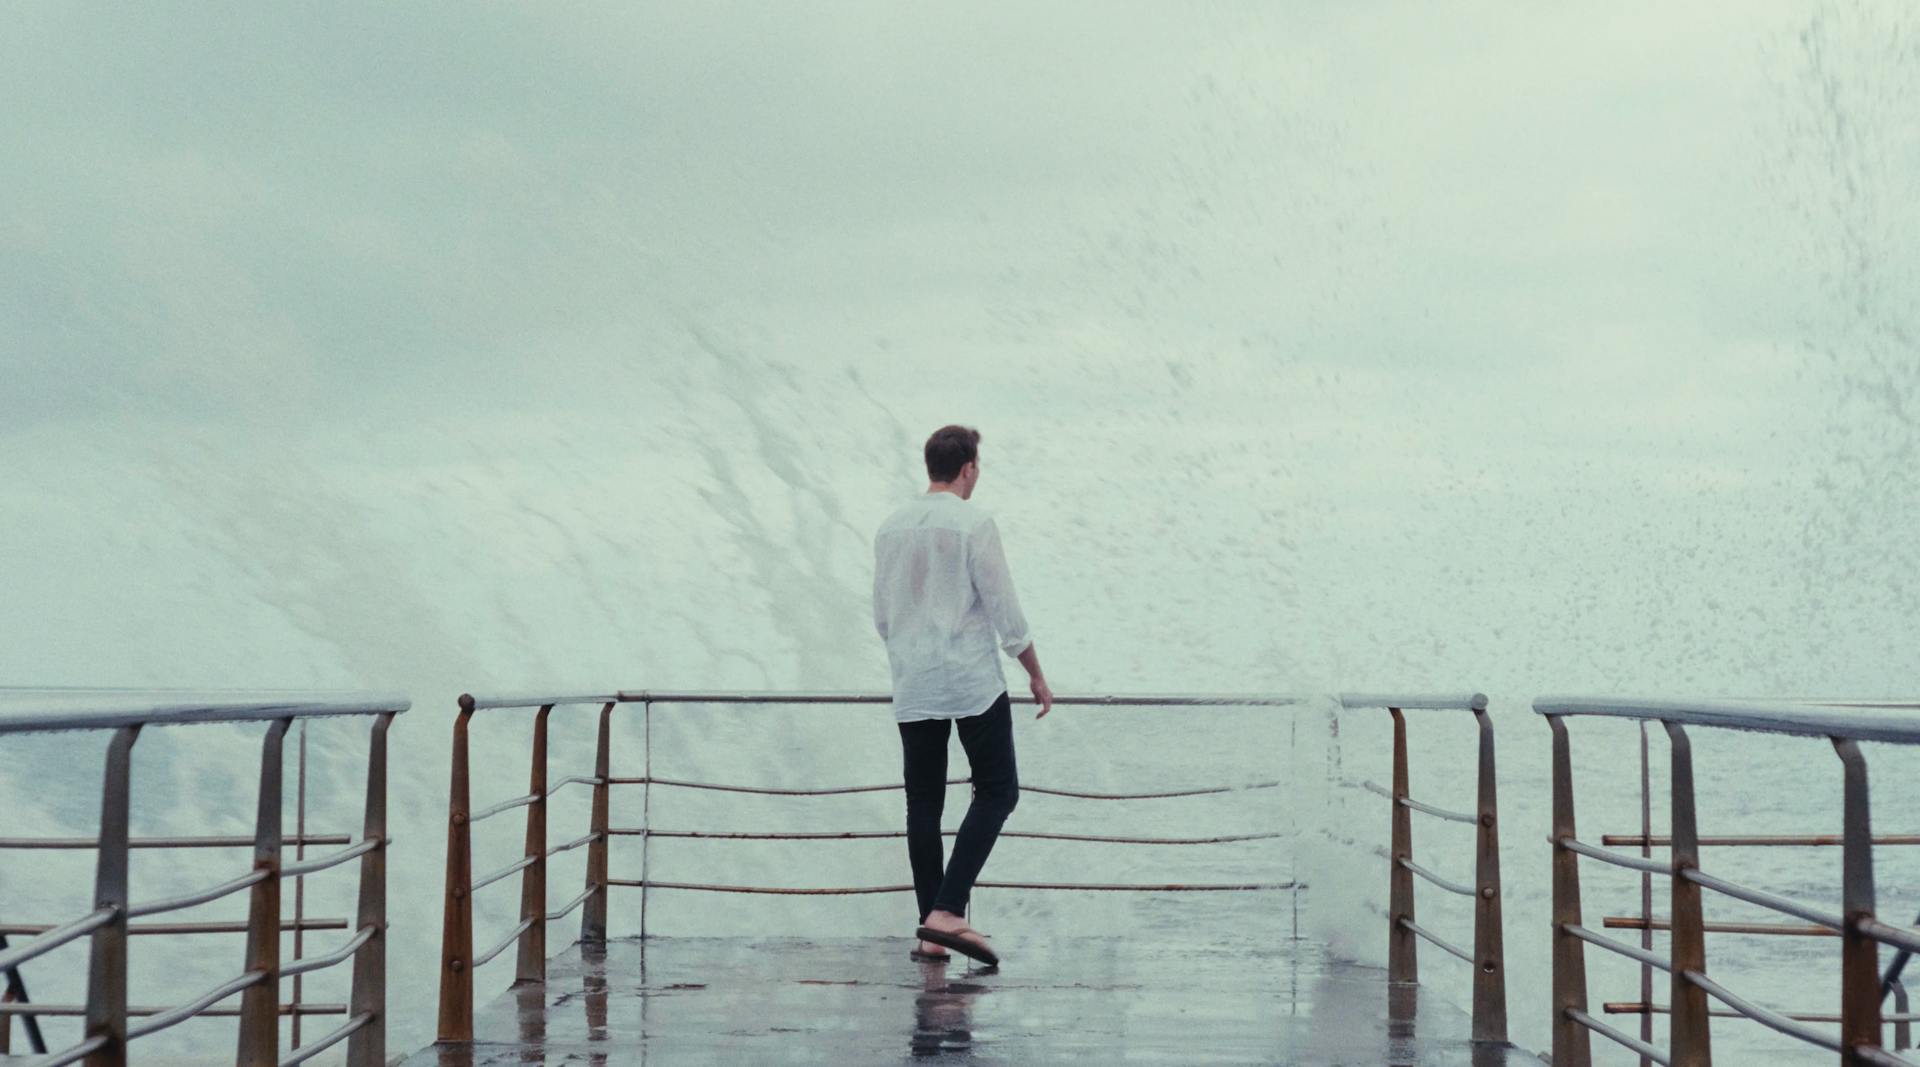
456,933
1572,1045
299,884
532,965
646,816
593,914
367,1047
1859,954
1646,891
1403,961
1690,1033
1489,943
1902,1032
259,1042
107,954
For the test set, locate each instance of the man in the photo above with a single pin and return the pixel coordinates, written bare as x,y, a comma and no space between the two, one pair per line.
941,593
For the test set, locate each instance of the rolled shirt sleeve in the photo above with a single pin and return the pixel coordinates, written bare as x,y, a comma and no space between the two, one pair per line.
987,563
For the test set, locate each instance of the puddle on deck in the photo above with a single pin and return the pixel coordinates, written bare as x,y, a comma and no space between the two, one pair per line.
700,1001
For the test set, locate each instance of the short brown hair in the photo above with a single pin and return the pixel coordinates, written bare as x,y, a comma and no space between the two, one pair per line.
949,449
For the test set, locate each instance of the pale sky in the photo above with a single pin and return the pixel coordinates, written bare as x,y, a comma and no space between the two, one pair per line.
1297,332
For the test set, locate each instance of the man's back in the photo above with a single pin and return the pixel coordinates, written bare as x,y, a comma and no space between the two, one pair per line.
941,591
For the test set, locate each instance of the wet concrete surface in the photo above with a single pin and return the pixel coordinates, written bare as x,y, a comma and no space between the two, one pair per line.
713,1001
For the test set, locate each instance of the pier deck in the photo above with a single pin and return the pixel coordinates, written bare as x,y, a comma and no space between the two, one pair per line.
701,1001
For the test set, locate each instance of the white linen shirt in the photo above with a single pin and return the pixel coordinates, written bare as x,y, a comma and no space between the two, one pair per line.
941,592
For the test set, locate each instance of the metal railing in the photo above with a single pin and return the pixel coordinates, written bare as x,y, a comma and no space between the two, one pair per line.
458,957
109,1022
1488,957
1859,1039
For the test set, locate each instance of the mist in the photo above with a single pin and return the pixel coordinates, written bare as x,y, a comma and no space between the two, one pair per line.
1314,347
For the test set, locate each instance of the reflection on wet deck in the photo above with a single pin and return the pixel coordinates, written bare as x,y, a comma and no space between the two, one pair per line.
855,1001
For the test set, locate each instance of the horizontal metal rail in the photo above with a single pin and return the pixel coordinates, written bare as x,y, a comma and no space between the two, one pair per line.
330,1039
175,1016
518,865
1798,720
1634,1007
769,791
321,863
1107,887
1436,940
1442,813
1443,883
54,938
1766,1017
1766,900
1112,700
1634,922
165,842
641,883
586,839
75,1054
176,929
555,916
47,710
1888,934
1755,840
1415,701
1632,952
471,702
1619,1037
513,935
864,835
1024,788
505,805
1618,859
578,779
1415,805
310,964
194,899
500,701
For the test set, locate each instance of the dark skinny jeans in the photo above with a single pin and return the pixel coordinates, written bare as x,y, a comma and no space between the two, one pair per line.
988,740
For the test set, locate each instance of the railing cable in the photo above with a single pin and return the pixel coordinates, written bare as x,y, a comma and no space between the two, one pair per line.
641,883
863,835
842,790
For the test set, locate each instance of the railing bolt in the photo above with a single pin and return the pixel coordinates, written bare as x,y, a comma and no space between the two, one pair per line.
459,818
1486,819
1486,892
458,965
459,893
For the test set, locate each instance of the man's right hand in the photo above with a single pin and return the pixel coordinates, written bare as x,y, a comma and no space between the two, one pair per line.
1043,695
